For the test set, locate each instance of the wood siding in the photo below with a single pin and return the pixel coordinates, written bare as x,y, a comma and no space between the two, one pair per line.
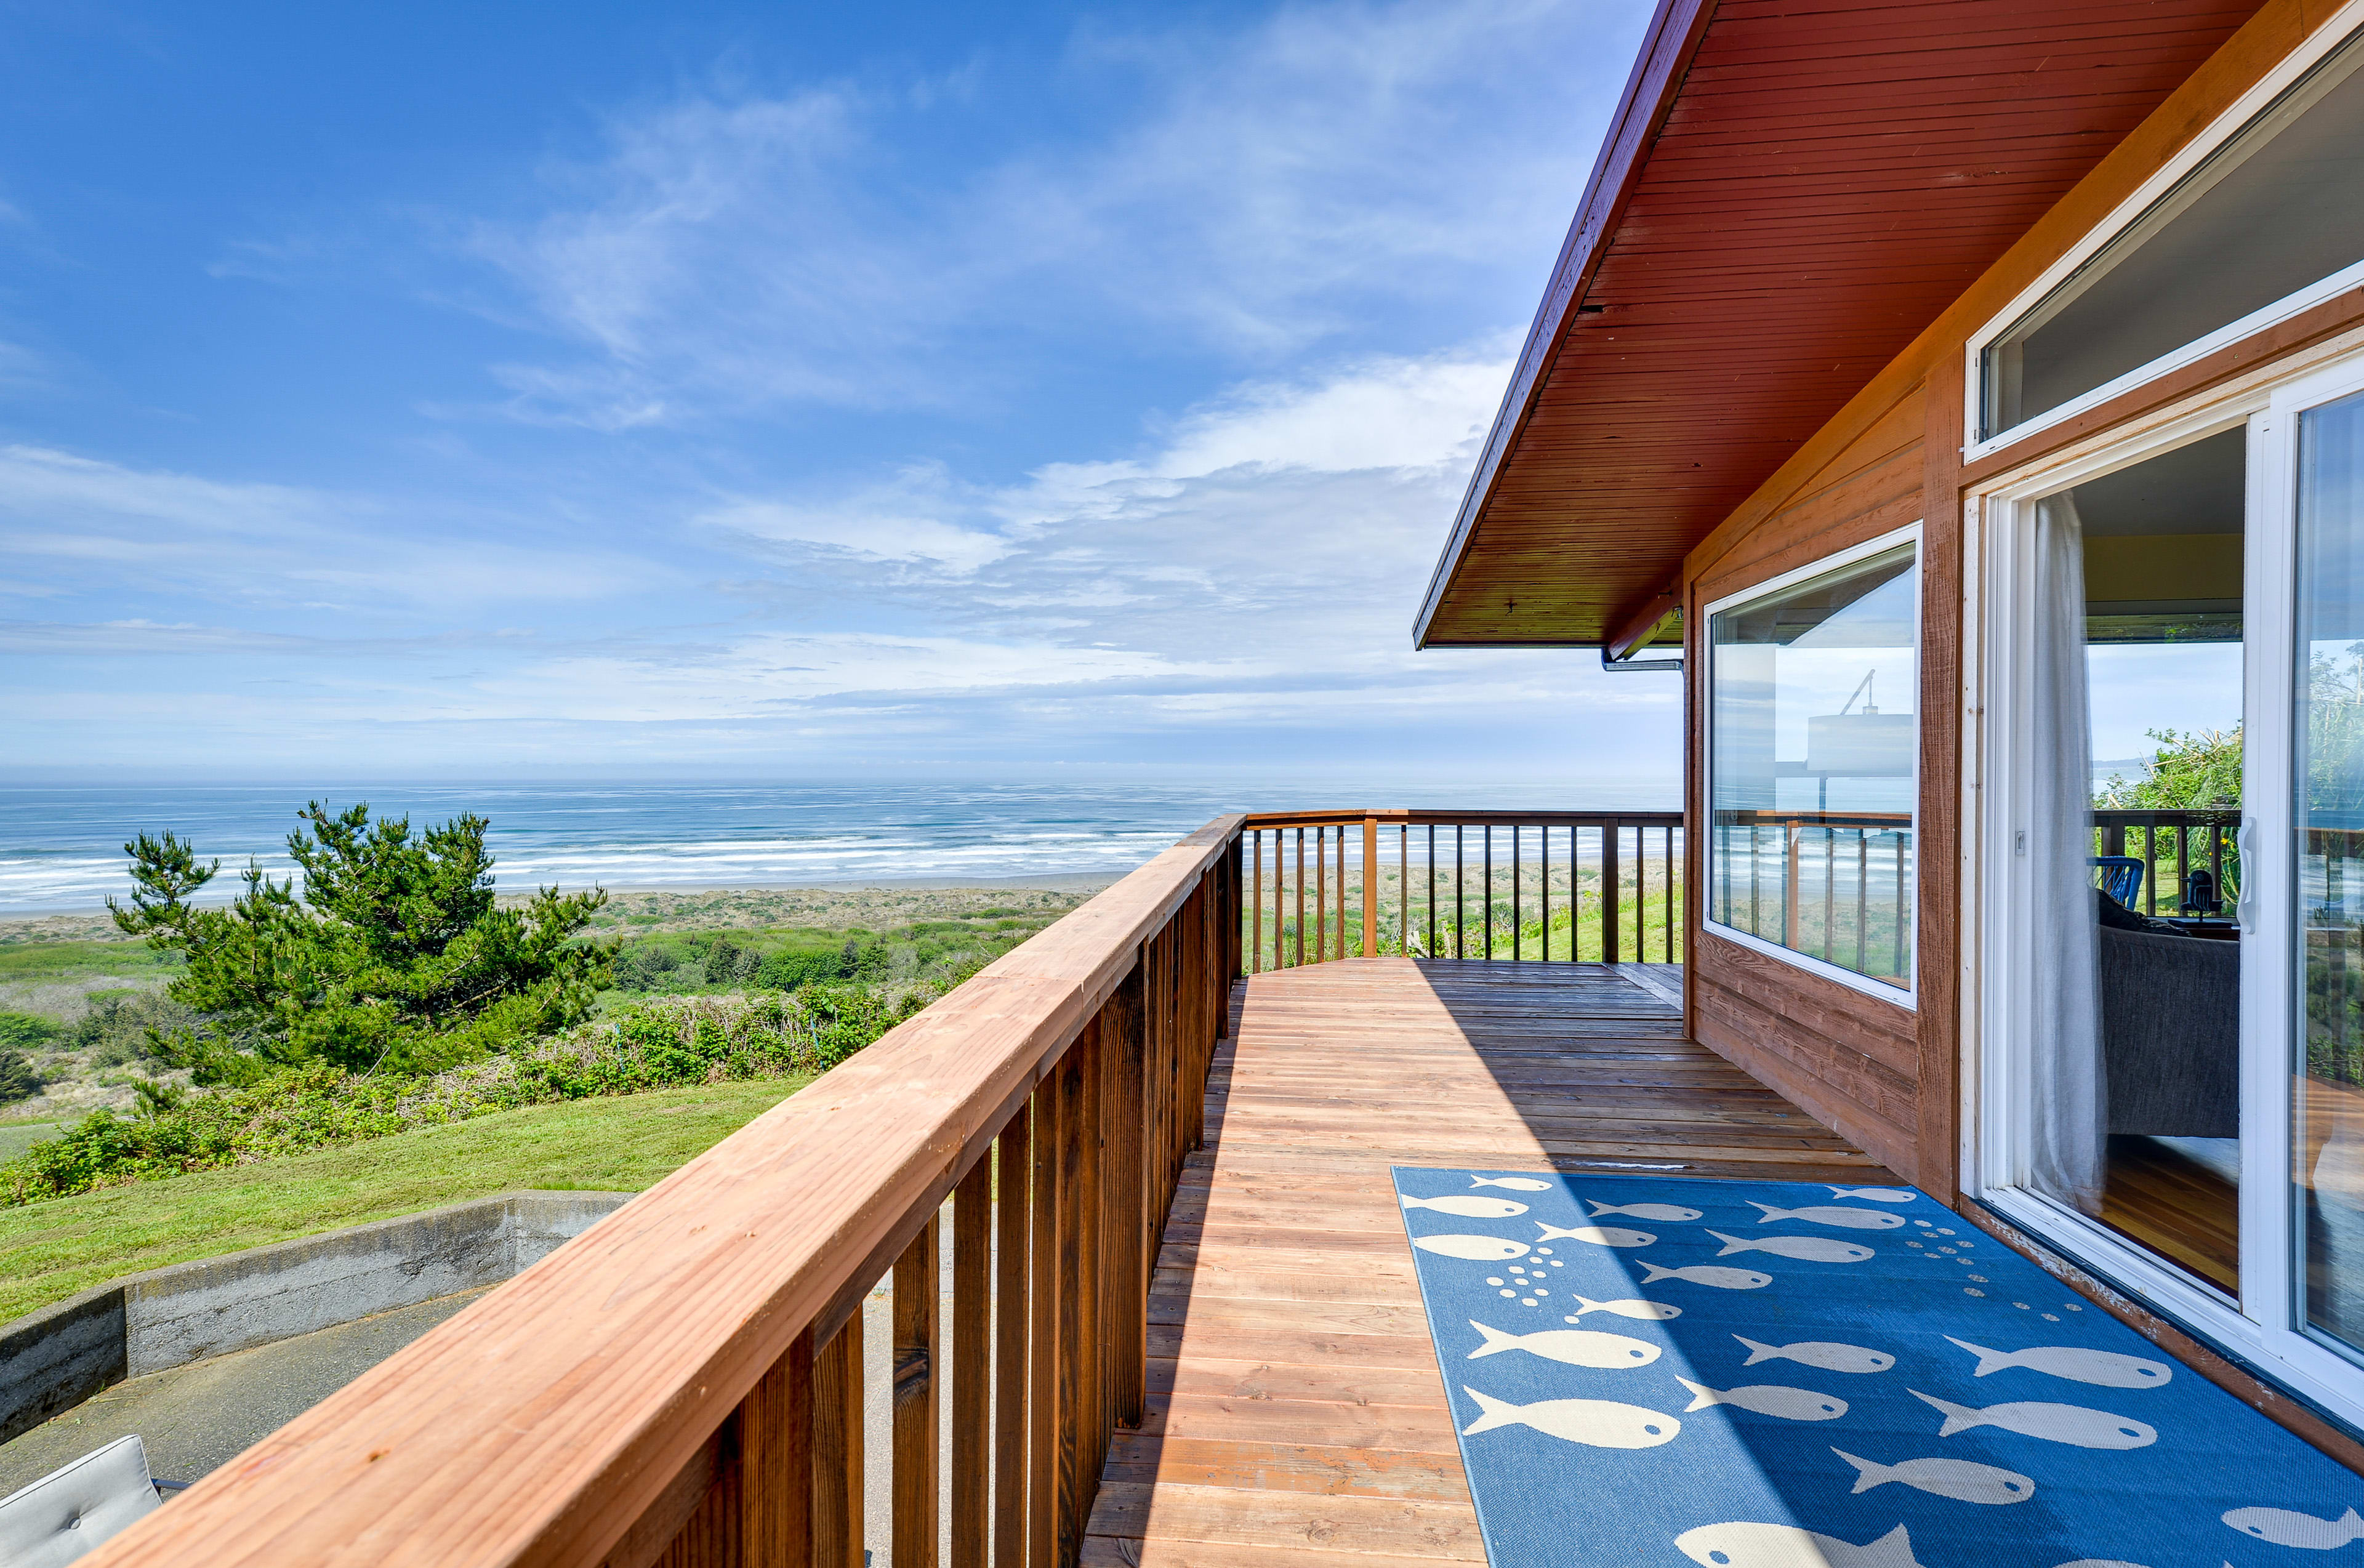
1889,1079
1853,1062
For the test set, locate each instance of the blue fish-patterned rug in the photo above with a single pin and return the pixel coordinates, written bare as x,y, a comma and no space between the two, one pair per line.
1648,1372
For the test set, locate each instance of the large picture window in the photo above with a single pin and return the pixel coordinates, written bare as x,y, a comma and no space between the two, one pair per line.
1813,691
2268,221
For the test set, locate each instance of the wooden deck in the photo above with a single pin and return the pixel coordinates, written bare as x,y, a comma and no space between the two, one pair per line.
1295,1405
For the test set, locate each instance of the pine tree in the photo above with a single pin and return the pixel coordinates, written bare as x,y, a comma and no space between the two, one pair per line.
395,952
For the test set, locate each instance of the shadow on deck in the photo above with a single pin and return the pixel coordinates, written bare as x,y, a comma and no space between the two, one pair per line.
1295,1403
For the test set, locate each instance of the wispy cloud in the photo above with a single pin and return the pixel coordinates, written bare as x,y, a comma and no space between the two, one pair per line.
1269,191
74,522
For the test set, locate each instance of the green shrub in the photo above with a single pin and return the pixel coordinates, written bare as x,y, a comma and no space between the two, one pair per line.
17,1079
792,970
395,952
26,1031
661,1043
126,1027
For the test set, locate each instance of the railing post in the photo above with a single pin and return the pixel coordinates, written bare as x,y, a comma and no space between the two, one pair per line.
1370,887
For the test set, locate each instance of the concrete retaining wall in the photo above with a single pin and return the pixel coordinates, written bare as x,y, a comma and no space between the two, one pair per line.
55,1358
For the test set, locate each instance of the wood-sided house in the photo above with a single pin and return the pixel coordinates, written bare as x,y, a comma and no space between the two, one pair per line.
1951,385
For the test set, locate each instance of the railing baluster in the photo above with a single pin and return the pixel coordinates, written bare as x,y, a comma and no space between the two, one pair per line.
1669,911
1544,897
1403,887
775,1475
1321,893
918,1281
1048,1312
1072,1345
1612,891
1431,892
1345,929
1013,1304
1133,1252
837,1449
972,1361
2182,866
1517,931
1489,899
1301,895
1862,891
1460,879
1897,838
1256,915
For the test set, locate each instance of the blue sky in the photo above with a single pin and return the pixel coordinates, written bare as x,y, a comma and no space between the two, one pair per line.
593,390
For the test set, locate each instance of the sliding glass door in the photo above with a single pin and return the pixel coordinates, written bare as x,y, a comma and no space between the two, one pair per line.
2170,1062
2316,436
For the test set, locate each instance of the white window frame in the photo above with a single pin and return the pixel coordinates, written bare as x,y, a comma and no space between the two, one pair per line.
1997,1024
1901,996
2318,46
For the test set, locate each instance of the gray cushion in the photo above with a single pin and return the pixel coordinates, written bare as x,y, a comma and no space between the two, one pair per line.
2171,1033
69,1511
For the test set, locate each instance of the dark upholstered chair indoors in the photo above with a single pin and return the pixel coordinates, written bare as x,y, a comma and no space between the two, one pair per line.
2170,1033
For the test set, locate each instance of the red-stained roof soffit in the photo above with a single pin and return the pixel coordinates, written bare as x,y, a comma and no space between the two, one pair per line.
1788,194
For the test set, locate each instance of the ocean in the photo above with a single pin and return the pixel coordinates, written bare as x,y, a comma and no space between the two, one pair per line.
61,846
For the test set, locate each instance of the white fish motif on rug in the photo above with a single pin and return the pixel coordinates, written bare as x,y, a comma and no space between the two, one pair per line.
1595,1234
2103,1369
1467,1207
1846,1218
1806,1248
1827,1354
2072,1424
1573,1347
1597,1423
1631,1307
1471,1249
1956,1478
2284,1528
1786,1546
1708,1274
1876,1195
1767,1399
1673,1213
1516,1183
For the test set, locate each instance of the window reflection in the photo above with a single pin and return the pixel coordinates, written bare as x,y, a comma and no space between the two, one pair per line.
1814,734
2329,1130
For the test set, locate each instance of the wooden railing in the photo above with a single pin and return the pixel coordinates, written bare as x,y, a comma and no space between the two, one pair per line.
1486,884
2187,840
683,1383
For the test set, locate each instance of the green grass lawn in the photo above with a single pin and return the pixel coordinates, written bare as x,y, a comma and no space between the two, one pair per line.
16,1137
49,1250
36,960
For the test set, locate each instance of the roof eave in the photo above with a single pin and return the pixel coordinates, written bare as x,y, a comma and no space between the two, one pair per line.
1673,37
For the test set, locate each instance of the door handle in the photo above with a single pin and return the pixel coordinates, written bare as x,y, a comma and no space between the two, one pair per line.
2245,906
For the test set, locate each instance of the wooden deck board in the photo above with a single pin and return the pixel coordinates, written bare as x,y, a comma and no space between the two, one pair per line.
1294,1401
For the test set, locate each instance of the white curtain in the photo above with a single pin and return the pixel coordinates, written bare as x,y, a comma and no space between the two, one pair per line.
2070,1109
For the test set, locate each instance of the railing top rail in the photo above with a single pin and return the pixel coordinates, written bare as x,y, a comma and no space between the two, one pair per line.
1813,819
1419,817
540,1423
2166,817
